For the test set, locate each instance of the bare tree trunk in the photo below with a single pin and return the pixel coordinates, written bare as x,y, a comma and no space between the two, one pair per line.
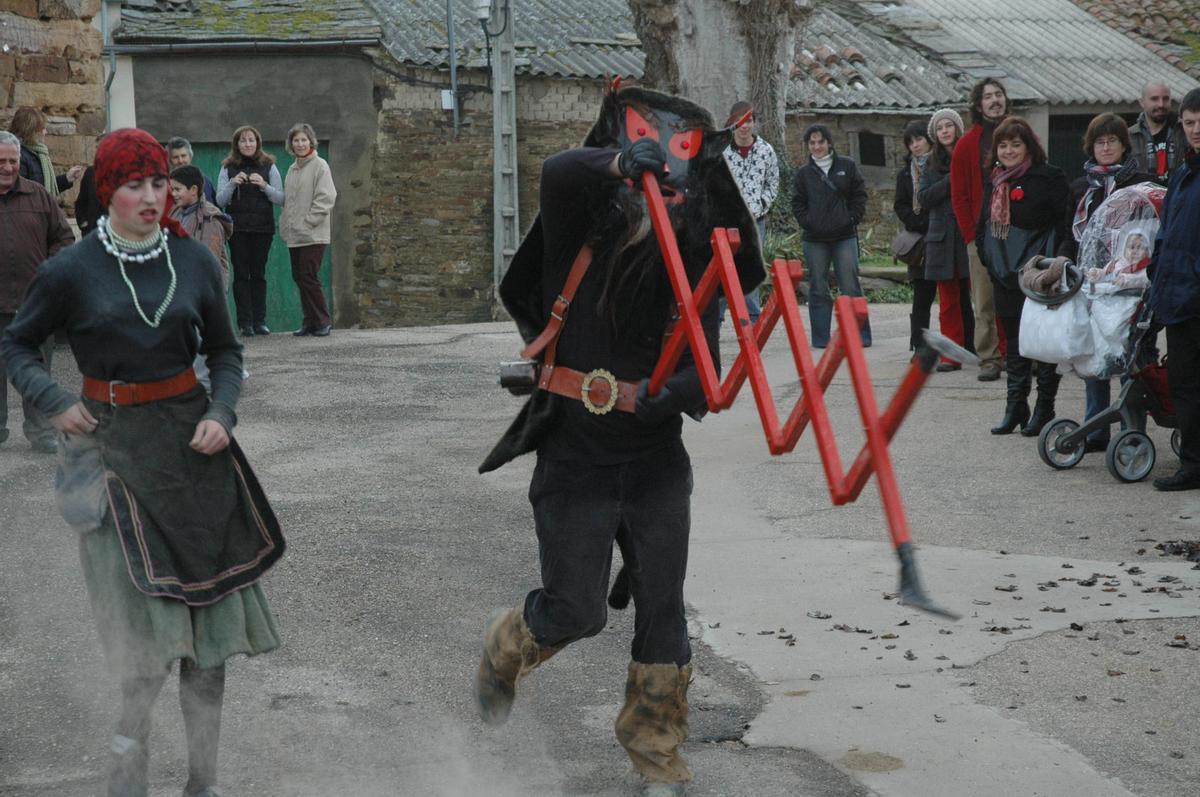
717,52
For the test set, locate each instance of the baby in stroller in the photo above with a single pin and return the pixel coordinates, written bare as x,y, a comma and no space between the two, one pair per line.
1090,320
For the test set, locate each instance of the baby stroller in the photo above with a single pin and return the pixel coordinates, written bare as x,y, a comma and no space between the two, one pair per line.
1102,328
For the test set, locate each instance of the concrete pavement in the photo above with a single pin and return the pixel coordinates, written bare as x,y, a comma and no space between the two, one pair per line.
367,442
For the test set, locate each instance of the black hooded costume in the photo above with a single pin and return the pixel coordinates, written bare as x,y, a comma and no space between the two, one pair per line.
616,475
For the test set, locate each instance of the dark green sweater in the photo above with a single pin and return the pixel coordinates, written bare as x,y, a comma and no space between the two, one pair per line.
80,290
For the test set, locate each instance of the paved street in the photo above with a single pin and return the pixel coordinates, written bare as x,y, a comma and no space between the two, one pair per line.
1074,670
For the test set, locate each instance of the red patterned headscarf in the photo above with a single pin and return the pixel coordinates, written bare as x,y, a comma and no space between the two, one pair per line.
132,154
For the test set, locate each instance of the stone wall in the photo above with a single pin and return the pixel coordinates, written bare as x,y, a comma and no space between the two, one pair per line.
50,59
431,259
432,191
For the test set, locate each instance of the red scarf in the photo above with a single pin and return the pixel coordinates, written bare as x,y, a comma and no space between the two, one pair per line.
130,154
999,212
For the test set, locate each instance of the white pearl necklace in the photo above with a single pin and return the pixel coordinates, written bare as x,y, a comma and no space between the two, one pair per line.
125,250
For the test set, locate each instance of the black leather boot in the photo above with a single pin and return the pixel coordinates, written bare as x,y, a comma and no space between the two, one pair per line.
1016,409
1047,391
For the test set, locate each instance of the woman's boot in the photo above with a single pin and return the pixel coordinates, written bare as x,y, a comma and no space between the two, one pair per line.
201,695
127,775
654,723
1016,409
509,653
1047,390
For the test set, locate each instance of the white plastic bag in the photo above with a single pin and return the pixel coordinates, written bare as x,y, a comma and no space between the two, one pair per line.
1056,334
1111,320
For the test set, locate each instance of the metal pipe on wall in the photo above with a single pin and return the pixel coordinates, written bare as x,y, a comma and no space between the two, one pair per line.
453,62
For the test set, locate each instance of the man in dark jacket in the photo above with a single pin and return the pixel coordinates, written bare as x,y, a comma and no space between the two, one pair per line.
32,227
829,200
1159,144
611,465
1175,297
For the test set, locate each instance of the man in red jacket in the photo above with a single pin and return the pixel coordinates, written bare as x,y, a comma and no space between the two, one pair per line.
968,172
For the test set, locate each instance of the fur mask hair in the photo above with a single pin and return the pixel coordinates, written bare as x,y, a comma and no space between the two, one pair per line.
698,187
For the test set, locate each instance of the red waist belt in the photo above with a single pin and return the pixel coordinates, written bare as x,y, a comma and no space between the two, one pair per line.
125,394
599,390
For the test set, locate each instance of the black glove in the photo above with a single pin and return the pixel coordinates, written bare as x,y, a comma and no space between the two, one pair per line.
643,155
653,410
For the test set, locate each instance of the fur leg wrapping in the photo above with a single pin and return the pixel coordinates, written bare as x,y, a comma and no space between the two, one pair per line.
509,653
654,721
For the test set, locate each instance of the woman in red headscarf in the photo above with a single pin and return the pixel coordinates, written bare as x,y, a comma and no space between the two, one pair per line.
175,531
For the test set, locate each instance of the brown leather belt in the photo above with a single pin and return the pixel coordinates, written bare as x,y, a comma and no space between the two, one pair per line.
126,394
599,390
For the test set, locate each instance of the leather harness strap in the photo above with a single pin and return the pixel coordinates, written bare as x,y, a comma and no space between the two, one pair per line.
126,394
599,390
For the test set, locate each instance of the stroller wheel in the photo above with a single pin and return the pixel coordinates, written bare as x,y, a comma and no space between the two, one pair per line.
1048,442
1176,436
1130,456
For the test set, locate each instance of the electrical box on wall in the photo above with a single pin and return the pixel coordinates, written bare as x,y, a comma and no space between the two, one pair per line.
447,100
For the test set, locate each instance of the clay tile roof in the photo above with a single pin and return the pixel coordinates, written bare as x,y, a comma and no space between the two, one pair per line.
1169,28
844,63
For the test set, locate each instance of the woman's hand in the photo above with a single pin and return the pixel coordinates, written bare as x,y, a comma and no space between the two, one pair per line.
74,173
257,180
240,178
210,438
74,420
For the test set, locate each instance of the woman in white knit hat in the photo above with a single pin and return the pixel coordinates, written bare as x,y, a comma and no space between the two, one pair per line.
946,260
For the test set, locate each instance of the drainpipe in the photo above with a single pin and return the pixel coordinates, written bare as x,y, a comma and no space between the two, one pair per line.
453,62
112,65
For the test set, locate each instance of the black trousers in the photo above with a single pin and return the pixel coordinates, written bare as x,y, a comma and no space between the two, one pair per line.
249,252
36,426
579,511
1183,375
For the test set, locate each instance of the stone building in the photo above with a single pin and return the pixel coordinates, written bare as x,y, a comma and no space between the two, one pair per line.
50,59
414,223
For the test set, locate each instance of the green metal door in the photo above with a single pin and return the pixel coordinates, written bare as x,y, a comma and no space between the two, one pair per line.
283,300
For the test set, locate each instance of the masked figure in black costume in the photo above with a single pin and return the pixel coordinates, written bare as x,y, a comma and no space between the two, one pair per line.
611,465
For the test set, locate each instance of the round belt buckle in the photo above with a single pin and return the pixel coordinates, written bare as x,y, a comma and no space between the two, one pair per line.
592,376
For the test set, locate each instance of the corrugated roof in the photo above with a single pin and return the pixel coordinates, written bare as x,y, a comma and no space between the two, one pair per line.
1168,28
840,64
1061,51
148,21
562,38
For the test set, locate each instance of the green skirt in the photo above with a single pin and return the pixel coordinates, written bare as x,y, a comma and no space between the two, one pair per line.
144,635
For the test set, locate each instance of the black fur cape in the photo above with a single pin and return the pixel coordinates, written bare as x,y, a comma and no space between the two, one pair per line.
718,202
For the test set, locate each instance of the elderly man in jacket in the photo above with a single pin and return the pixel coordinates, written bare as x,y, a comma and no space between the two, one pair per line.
32,227
1159,143
1175,297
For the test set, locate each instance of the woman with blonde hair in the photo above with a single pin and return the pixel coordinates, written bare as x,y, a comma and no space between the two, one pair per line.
309,195
248,186
29,125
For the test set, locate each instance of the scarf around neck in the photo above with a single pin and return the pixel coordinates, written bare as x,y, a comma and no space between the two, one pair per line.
1103,179
916,168
824,163
48,177
999,212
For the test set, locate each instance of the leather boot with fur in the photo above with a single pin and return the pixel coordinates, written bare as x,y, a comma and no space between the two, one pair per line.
509,653
653,724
